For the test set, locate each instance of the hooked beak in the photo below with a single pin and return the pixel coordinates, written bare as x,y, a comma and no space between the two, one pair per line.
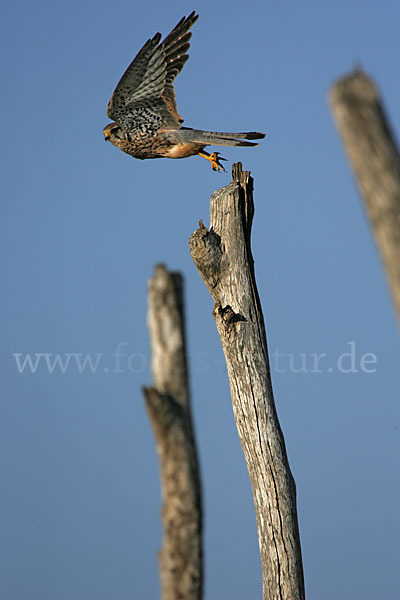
106,137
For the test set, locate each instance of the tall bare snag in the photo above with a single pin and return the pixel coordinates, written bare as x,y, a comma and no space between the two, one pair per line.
223,257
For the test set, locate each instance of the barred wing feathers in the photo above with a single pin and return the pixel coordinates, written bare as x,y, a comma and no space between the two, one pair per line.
146,89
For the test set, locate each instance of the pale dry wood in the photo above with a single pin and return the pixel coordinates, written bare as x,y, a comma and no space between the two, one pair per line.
168,406
222,254
375,160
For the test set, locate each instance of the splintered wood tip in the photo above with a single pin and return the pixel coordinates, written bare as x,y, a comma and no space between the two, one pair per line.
236,171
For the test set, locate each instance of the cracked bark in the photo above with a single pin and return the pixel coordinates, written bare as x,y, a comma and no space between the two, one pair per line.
375,161
222,255
168,407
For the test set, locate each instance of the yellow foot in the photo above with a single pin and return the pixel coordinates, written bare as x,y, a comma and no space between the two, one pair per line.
215,160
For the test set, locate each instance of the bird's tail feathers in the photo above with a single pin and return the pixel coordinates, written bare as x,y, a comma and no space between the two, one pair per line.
220,138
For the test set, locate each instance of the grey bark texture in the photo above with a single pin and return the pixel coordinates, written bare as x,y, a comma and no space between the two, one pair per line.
223,257
168,406
375,160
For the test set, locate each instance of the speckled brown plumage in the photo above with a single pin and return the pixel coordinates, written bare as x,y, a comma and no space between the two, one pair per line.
143,106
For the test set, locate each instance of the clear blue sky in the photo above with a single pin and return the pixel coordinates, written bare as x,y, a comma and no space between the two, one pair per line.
82,227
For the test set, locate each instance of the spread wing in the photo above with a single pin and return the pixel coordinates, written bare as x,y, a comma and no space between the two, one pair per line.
144,100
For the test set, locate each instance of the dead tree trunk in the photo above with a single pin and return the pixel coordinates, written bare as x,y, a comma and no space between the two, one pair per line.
224,260
168,406
375,160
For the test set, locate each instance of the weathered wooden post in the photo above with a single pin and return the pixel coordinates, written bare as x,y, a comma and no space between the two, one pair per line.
374,157
168,406
222,255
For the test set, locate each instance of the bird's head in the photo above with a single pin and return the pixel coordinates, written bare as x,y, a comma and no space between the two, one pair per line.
112,133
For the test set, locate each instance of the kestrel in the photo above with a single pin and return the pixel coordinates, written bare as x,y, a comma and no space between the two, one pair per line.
143,105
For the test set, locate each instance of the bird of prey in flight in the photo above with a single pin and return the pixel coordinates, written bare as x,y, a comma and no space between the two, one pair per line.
143,106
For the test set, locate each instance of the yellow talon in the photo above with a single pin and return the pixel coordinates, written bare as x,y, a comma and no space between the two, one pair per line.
215,160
